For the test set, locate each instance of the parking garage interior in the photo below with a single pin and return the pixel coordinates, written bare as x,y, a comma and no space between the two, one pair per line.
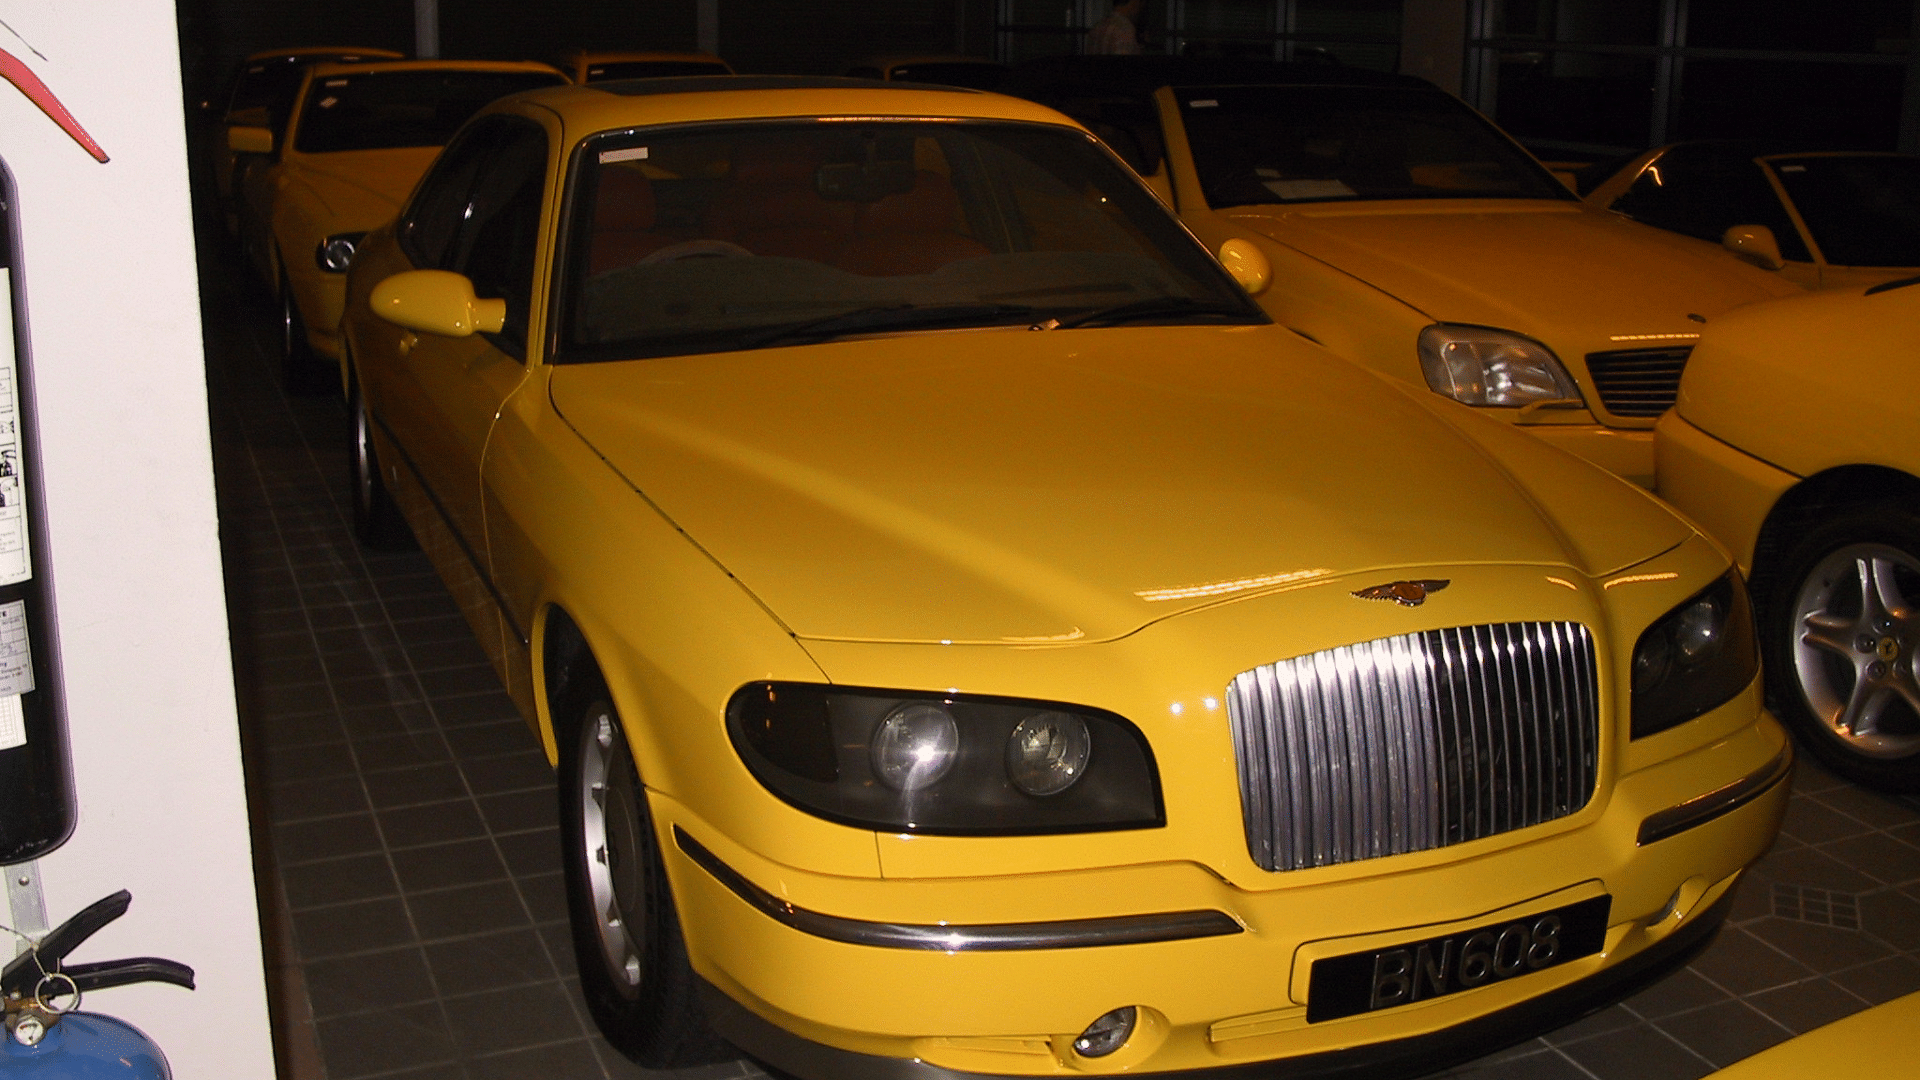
406,846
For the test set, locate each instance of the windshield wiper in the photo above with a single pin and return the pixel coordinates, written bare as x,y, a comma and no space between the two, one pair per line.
1158,307
882,317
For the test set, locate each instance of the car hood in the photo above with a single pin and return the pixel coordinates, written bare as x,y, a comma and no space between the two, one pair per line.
1549,270
361,188
1010,486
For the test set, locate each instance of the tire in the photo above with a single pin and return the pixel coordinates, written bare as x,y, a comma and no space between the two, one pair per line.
302,372
377,522
634,972
1840,657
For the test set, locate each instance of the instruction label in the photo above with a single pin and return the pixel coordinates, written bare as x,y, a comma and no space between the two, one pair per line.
15,560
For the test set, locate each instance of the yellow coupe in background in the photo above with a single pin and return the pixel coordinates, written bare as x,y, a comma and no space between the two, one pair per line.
1407,233
1823,219
974,640
1796,442
356,139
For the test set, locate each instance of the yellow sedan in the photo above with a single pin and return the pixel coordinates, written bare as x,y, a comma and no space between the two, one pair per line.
356,139
973,639
1407,233
1797,444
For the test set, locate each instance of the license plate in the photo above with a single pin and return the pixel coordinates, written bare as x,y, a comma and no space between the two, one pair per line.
1421,970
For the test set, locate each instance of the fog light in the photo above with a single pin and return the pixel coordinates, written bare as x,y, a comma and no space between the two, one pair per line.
1107,1034
1047,752
915,746
335,253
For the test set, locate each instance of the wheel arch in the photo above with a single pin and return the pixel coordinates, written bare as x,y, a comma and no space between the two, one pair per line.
1816,497
565,664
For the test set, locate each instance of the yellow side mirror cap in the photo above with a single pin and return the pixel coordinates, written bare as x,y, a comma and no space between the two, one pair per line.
1247,264
436,302
1754,243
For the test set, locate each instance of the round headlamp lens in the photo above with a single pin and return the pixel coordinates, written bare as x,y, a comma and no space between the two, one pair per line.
1651,662
915,746
1048,752
1697,632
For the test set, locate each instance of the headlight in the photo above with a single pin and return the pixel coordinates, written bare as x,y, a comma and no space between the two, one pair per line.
954,764
335,253
1478,366
1698,656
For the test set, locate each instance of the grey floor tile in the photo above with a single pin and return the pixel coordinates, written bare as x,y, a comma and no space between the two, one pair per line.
439,866
533,1016
352,928
324,838
1803,1006
514,957
1879,856
1642,1052
469,909
1743,964
1814,822
1726,1032
1820,948
338,881
435,823
1679,992
369,981
1882,980
369,1044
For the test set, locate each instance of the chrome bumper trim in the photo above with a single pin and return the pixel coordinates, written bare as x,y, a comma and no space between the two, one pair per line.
1704,808
985,937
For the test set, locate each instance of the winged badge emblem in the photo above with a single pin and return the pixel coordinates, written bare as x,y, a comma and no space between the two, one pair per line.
1404,593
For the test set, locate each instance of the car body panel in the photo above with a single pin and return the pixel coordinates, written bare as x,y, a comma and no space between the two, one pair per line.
1364,277
835,513
1824,360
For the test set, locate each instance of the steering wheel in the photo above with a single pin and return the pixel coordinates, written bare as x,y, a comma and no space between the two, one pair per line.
696,249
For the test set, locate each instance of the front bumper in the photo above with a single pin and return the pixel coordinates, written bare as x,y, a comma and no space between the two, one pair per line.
848,1004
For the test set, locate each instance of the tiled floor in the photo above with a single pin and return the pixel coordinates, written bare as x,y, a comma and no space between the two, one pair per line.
407,844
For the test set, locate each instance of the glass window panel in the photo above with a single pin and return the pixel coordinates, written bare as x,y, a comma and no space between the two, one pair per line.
1704,190
1852,106
1039,12
1026,45
1863,211
1576,97
1589,22
1866,26
1368,18
1228,18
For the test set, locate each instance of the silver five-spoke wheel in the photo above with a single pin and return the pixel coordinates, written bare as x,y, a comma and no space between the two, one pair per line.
1853,656
615,857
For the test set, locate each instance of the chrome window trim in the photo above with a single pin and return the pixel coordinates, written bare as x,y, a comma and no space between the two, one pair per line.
976,937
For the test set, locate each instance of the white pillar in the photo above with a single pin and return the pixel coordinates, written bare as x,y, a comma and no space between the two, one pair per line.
426,29
706,25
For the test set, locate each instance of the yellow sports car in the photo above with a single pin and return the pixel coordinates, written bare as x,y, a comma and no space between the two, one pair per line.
974,639
601,65
1794,443
1825,220
356,139
1409,234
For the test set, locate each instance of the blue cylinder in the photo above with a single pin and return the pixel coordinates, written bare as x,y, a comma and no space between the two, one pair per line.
85,1046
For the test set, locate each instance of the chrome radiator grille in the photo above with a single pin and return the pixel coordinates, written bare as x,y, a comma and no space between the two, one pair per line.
1414,742
1638,382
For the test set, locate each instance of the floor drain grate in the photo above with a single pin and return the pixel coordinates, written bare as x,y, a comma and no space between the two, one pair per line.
1821,906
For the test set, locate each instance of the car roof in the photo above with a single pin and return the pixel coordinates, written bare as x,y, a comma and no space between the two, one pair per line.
701,98
321,52
376,66
1054,77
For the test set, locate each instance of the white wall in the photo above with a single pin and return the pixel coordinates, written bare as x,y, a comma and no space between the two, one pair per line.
112,307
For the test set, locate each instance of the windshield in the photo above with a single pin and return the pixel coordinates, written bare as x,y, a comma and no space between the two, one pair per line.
1862,211
384,110
716,238
654,69
1294,144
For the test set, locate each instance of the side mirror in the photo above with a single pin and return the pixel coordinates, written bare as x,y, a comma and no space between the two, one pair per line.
1754,243
436,302
250,140
1247,264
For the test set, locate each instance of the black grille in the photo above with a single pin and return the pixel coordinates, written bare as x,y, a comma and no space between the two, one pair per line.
1638,382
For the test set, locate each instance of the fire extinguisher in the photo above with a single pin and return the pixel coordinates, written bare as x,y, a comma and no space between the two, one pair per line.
48,1038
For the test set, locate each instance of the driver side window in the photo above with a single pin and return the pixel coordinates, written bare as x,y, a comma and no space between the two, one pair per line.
478,214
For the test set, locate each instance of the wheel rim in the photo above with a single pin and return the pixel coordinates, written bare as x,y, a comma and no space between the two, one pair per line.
365,471
1855,633
612,848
